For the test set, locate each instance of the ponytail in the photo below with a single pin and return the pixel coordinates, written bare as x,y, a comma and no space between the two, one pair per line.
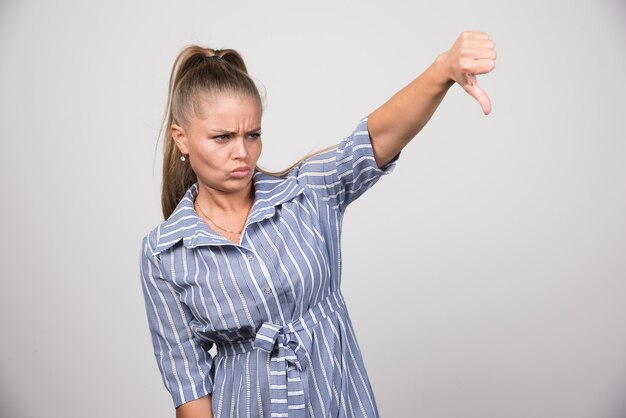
196,72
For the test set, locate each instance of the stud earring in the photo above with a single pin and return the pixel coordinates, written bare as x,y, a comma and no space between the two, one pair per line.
182,158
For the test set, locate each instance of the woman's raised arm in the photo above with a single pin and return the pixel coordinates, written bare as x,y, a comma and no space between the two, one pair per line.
396,122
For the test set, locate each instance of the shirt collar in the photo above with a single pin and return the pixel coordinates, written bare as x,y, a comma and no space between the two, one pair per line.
185,224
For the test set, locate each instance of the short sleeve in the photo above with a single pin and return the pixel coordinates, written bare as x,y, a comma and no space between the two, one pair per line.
343,173
183,360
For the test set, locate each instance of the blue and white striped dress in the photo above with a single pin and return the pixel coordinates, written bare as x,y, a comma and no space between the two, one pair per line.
272,304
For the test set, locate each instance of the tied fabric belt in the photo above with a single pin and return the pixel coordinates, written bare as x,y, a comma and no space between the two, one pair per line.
288,355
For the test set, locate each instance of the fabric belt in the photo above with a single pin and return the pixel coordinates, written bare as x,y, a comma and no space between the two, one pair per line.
288,355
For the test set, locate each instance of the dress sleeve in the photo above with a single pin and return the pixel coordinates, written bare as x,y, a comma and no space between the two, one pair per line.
344,172
183,360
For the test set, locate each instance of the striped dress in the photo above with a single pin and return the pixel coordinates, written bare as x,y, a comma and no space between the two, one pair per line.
272,304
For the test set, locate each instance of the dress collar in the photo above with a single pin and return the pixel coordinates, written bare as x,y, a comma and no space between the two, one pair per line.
185,224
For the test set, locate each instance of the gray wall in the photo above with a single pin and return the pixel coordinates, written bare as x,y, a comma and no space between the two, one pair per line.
485,277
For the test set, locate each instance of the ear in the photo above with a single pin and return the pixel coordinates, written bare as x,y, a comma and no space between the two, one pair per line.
178,134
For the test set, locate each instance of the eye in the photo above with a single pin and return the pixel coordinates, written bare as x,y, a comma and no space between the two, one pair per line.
255,135
221,138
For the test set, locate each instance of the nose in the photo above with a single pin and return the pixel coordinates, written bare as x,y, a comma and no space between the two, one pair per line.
240,149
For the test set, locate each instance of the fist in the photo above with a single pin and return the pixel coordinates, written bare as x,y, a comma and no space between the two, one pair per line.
471,54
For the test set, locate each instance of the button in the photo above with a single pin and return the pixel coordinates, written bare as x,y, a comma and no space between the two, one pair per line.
268,290
251,257
277,322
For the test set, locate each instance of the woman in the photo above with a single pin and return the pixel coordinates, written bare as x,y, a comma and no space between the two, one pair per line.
250,262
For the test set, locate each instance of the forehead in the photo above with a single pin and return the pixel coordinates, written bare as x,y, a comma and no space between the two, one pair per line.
228,111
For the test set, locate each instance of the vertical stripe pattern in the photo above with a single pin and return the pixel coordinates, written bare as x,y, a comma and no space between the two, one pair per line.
271,304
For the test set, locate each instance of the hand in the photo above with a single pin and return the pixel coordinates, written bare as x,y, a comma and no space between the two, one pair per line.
473,53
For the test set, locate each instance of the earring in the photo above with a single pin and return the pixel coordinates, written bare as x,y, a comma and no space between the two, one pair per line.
182,158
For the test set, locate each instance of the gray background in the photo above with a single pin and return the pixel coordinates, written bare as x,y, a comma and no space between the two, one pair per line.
485,277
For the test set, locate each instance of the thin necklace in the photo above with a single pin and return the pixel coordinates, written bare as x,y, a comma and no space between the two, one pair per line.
213,222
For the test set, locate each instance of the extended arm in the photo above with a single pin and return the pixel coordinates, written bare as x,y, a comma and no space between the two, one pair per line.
396,122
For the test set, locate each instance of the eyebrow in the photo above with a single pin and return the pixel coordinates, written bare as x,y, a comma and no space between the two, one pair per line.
222,131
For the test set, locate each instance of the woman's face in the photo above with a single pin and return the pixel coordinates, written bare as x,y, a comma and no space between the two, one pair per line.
224,144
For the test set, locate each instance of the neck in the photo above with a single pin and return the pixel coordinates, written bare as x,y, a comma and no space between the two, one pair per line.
224,202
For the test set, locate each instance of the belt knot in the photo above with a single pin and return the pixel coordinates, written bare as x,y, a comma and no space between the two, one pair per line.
266,336
288,356
286,362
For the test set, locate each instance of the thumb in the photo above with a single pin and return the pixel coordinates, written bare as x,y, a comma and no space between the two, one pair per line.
478,93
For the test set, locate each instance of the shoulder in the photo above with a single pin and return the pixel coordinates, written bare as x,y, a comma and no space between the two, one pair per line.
271,190
357,146
150,240
181,224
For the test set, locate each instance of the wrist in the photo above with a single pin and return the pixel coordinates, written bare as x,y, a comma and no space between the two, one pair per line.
441,74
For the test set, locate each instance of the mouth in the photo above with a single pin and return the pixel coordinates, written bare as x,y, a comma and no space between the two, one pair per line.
241,172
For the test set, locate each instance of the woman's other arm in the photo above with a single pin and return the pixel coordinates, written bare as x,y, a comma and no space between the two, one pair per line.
198,408
396,122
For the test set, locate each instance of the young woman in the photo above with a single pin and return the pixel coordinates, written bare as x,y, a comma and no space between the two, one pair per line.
250,262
